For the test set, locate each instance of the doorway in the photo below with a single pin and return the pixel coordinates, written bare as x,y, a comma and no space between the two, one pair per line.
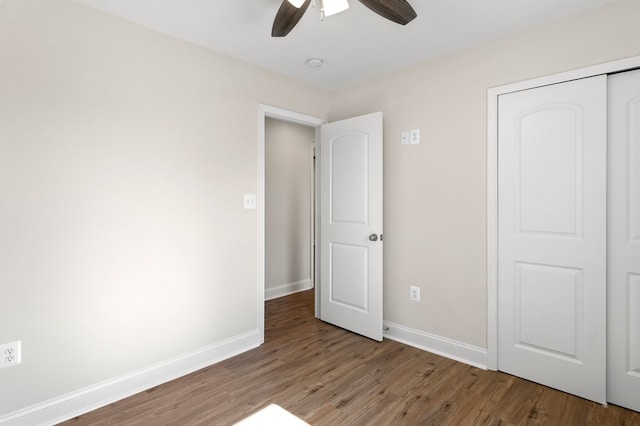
273,113
348,226
289,208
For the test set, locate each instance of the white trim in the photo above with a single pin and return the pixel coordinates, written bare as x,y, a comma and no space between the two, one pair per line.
312,209
492,179
317,230
291,117
492,232
287,289
90,398
448,348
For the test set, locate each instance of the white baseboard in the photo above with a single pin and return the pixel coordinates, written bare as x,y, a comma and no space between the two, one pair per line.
438,345
84,400
287,289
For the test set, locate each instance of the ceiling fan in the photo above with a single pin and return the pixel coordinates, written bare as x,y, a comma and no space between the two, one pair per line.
291,11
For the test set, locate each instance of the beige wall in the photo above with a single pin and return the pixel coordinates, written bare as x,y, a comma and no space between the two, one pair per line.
124,157
435,192
288,196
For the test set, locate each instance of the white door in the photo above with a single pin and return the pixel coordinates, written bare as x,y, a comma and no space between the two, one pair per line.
623,375
351,225
552,236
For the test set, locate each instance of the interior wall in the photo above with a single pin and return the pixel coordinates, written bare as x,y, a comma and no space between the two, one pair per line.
435,192
288,204
124,157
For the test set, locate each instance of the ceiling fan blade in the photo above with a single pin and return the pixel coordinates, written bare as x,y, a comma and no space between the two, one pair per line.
287,17
399,11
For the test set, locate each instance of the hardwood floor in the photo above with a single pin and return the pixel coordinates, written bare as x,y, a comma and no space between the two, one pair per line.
328,376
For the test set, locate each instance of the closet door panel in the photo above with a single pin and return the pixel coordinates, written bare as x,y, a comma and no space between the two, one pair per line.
623,373
552,236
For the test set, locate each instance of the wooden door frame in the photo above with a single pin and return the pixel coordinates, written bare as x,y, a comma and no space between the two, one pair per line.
492,179
268,111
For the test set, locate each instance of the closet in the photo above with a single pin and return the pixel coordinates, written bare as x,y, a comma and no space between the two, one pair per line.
568,236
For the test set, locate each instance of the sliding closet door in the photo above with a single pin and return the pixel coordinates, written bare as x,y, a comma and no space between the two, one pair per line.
623,376
552,236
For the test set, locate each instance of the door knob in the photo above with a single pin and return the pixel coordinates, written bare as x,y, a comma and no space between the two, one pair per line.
373,237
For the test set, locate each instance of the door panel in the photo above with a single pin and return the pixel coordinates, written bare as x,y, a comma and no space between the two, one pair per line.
634,330
552,236
533,284
548,201
351,206
349,183
349,284
623,375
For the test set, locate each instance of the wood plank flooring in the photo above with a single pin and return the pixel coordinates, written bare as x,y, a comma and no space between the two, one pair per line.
328,376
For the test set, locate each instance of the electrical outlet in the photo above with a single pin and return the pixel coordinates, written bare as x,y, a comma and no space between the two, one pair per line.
10,354
414,293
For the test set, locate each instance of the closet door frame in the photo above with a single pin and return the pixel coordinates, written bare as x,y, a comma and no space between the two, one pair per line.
492,180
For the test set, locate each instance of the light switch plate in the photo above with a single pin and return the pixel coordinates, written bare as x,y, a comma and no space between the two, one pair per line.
249,201
404,138
414,136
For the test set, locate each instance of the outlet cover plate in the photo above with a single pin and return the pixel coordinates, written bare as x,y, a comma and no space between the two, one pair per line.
10,354
414,293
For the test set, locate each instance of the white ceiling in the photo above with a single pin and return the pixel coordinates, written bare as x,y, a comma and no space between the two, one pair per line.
356,44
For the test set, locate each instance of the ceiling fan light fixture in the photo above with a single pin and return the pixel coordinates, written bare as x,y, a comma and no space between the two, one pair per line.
291,11
296,3
331,7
